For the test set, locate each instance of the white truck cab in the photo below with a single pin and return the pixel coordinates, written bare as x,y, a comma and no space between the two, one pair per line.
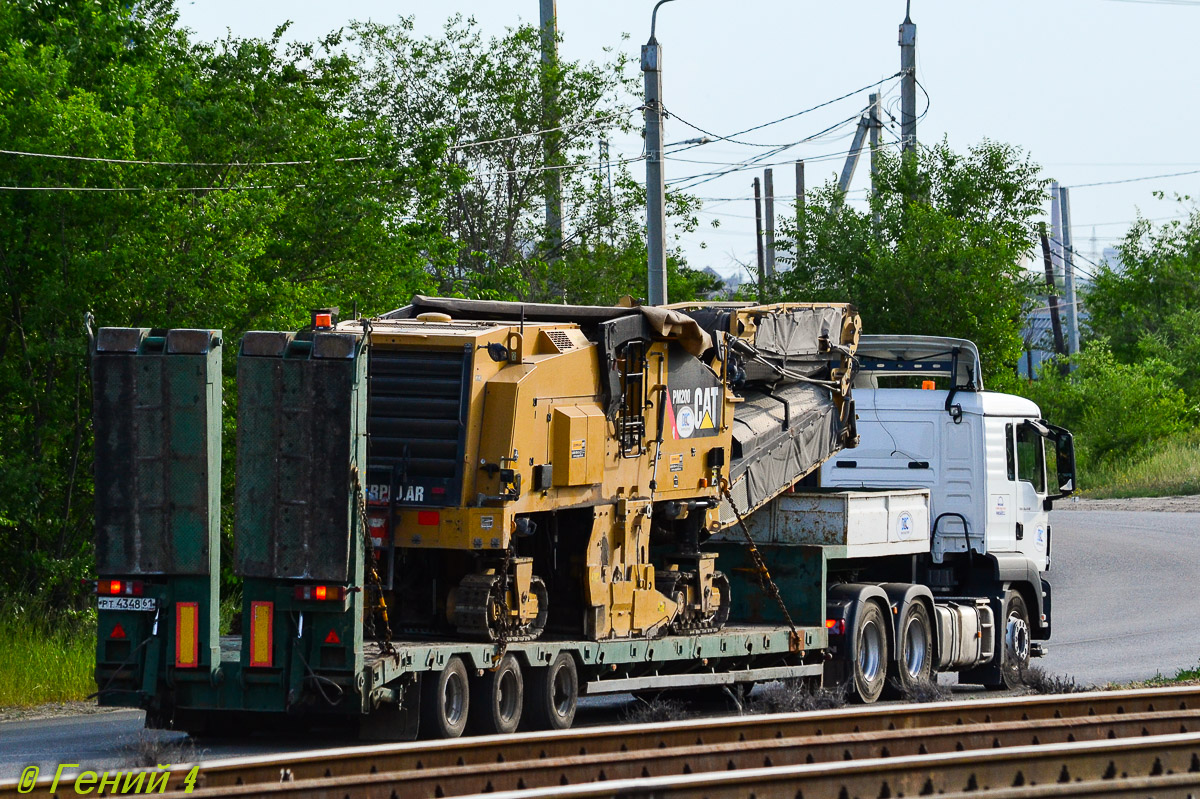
924,421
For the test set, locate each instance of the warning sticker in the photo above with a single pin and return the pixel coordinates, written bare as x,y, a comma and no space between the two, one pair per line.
578,447
485,522
677,463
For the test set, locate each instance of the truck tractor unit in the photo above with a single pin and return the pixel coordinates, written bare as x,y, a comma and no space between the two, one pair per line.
463,515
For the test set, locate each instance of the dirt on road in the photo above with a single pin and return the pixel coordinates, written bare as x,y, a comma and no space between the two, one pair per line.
1189,504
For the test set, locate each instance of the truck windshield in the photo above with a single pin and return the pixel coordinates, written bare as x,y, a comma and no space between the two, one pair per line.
1031,458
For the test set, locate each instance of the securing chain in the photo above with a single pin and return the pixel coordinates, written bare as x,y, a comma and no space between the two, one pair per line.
375,598
502,632
764,575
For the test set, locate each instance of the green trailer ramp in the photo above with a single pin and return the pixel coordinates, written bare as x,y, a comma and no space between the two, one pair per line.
298,537
157,419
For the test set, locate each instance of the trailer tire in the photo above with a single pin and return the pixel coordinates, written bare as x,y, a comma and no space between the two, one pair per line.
553,695
869,655
914,653
497,698
445,700
1014,642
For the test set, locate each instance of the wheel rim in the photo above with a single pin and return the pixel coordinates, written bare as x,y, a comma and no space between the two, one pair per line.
869,651
1017,638
509,695
562,693
454,699
916,646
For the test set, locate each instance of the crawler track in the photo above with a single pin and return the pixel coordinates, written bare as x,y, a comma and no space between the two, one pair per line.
1127,743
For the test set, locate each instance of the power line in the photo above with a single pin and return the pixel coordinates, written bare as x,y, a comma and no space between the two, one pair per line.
135,162
566,126
1134,180
730,137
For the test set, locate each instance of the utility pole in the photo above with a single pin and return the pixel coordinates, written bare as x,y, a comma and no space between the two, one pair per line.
1060,346
656,246
1064,201
860,136
758,240
876,126
800,232
908,83
769,195
552,179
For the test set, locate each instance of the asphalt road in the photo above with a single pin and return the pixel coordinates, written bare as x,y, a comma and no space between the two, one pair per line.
1126,595
1126,607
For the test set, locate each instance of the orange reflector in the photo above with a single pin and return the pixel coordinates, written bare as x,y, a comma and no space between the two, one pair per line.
928,385
428,517
323,320
187,640
332,638
262,629
118,631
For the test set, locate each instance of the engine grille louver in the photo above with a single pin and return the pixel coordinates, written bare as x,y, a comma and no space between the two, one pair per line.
416,423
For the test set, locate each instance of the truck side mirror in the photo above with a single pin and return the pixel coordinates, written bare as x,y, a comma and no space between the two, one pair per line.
1064,460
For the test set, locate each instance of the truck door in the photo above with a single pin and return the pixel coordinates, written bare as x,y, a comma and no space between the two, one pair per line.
1032,519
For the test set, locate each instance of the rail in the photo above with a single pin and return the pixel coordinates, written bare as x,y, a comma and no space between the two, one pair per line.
1117,740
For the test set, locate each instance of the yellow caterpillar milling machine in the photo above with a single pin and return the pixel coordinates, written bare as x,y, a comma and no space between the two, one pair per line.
534,467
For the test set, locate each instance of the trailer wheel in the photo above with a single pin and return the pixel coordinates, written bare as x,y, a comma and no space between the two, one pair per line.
445,700
870,654
497,698
914,656
553,695
1014,642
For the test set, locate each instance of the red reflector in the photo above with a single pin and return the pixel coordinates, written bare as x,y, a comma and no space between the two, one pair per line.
428,517
332,638
438,490
117,632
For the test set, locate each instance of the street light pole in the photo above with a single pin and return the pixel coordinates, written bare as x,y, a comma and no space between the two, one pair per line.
656,247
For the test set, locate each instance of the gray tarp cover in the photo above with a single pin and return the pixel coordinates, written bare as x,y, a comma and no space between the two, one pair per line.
790,339
768,458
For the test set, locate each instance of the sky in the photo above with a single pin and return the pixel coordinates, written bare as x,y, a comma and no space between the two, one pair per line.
1094,90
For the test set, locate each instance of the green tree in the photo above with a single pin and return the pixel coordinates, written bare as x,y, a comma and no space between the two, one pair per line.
1148,305
939,250
216,238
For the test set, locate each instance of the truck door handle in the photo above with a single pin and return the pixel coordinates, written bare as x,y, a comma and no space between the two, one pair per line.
1020,531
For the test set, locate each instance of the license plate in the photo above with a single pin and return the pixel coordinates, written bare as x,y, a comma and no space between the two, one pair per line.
128,603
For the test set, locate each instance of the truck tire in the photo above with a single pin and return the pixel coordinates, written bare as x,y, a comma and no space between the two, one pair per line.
497,698
445,700
553,695
869,655
1014,642
914,653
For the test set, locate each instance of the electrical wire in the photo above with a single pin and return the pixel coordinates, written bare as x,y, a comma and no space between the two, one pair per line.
134,162
1134,180
567,126
730,137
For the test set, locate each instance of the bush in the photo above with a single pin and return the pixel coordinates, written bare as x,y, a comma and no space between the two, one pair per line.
1114,409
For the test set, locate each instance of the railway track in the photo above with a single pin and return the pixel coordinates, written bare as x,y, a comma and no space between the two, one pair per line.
1125,743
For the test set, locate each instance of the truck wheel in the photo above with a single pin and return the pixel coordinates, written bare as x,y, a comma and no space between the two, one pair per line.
445,700
870,655
497,698
1014,642
553,695
914,657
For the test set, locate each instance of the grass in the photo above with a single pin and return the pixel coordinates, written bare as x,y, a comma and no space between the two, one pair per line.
1167,468
45,657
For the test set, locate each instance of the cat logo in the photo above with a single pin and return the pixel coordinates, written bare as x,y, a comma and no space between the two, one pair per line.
697,410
